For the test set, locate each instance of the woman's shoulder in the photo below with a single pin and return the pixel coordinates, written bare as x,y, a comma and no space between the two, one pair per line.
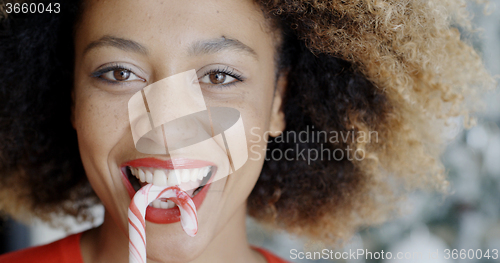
65,250
270,257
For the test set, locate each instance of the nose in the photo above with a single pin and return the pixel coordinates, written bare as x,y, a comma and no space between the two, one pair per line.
169,114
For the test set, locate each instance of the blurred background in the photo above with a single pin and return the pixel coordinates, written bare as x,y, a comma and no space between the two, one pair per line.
467,219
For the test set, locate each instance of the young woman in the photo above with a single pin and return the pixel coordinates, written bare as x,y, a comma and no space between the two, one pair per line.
367,86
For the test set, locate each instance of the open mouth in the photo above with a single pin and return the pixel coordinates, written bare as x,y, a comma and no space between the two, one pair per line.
192,176
189,180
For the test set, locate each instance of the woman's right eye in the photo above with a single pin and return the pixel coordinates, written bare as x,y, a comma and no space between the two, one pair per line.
116,74
119,75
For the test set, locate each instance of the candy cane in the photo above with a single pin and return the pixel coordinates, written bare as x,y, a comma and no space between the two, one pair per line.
137,213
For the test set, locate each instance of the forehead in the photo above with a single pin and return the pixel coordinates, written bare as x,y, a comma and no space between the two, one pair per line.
172,25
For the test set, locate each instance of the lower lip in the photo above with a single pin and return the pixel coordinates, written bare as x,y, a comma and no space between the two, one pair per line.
171,215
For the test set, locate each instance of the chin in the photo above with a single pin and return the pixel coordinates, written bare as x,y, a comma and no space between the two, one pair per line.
171,244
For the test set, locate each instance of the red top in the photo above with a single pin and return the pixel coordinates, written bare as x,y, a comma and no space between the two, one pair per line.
271,258
67,250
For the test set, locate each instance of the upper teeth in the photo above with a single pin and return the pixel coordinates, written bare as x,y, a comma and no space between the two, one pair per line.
163,177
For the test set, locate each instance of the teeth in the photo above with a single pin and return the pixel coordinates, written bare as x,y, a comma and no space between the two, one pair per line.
167,205
156,203
142,175
194,174
163,177
185,175
173,178
162,204
149,177
160,178
203,172
200,174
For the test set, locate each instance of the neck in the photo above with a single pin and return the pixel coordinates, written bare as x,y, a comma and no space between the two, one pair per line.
107,243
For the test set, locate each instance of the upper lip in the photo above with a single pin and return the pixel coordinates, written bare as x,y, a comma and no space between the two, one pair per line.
176,163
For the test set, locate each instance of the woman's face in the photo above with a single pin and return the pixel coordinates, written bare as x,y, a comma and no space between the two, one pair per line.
122,47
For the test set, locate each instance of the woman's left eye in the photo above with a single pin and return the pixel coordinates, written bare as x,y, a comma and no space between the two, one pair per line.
120,75
218,78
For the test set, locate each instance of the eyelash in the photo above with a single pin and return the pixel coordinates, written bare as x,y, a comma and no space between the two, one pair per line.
228,71
112,67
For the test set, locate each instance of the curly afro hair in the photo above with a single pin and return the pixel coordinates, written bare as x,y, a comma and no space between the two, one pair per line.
395,67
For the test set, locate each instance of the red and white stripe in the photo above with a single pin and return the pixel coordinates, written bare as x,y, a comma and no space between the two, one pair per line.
137,213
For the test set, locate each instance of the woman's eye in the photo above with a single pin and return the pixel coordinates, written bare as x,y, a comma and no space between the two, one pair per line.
218,78
119,75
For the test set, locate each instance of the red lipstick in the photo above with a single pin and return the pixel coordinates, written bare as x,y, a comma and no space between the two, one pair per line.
178,163
172,215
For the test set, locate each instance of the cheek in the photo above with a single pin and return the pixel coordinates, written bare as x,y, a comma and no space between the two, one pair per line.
255,129
256,115
99,122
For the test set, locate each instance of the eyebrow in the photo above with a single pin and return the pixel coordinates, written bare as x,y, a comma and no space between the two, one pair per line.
218,45
121,43
198,48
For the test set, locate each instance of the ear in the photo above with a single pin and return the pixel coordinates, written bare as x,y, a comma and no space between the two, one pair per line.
277,123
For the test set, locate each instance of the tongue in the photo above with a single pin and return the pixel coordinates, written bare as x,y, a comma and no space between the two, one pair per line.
137,213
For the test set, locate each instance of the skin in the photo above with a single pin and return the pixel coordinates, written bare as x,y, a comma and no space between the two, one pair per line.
167,31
